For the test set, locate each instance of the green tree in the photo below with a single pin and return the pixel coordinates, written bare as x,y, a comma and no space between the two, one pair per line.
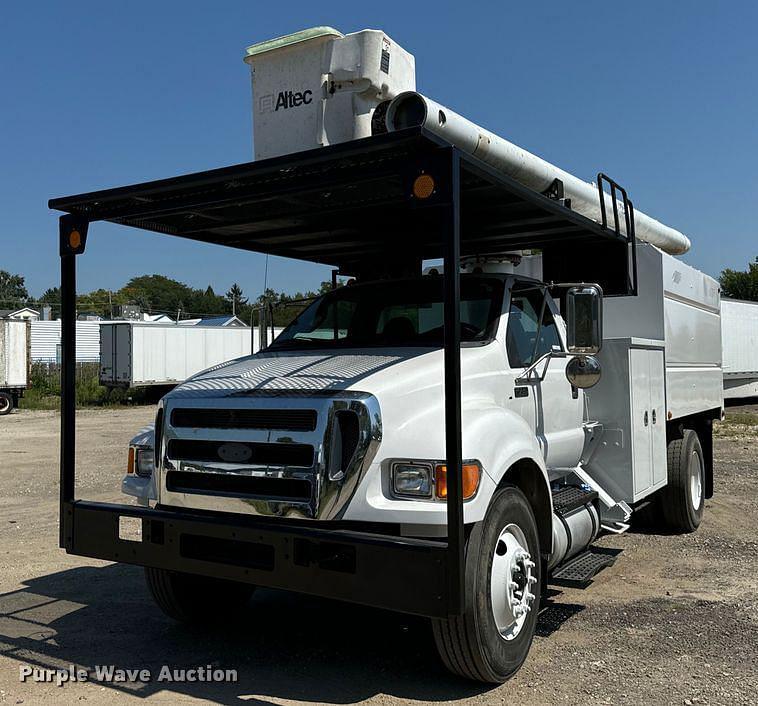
159,294
741,284
234,295
12,290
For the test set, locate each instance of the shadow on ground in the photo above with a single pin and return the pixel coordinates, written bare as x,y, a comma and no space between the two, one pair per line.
284,646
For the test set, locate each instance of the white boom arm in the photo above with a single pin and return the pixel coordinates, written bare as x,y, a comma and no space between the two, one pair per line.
411,109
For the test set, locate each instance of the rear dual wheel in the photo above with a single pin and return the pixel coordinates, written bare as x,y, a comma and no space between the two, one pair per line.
491,640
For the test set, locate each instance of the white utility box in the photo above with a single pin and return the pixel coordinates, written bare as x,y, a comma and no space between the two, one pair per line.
319,87
629,460
679,305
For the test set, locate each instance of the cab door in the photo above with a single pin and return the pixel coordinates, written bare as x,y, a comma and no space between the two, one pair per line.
549,405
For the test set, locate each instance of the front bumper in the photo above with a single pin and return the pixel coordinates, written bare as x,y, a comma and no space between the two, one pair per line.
395,573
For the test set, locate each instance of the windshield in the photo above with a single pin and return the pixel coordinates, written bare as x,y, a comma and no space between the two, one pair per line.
394,313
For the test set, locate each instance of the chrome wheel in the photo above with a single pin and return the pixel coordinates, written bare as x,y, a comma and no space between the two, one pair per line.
511,580
696,480
6,404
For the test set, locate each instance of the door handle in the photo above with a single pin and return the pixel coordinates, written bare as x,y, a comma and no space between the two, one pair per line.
654,417
646,418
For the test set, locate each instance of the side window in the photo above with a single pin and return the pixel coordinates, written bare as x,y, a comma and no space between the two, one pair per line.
525,339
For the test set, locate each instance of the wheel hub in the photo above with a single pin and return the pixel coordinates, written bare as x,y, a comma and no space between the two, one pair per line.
511,582
696,481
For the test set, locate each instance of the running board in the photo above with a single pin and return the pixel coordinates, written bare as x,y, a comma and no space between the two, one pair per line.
579,571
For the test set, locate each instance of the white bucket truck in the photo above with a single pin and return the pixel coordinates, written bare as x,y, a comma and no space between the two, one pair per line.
447,443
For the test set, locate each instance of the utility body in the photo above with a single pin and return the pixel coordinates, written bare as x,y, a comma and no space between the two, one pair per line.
439,439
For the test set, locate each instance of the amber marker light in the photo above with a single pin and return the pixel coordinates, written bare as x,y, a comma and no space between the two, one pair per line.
472,474
423,186
130,461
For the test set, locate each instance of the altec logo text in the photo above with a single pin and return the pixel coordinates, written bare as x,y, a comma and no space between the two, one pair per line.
284,99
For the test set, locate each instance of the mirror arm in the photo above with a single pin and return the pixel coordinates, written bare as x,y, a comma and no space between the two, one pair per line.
526,376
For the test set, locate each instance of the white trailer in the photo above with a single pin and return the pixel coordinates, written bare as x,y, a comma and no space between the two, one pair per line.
739,331
142,354
14,362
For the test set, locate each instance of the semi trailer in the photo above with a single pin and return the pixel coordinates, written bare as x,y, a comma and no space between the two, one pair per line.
739,326
14,362
141,355
450,434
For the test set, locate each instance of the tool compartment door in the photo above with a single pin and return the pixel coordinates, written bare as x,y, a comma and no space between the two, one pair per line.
642,458
647,377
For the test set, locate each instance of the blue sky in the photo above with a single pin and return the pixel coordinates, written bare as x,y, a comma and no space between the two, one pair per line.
660,95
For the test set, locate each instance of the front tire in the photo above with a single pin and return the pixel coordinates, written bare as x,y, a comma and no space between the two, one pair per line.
190,598
491,640
683,499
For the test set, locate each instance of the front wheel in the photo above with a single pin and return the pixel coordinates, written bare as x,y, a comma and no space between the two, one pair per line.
192,598
491,640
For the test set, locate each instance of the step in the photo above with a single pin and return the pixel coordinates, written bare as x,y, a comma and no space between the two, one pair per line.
579,571
570,497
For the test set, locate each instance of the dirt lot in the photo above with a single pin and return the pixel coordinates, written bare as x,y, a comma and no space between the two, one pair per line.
673,621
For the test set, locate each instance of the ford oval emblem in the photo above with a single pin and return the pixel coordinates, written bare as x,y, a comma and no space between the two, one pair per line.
234,453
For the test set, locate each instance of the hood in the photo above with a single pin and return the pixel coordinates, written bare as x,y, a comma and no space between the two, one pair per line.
308,372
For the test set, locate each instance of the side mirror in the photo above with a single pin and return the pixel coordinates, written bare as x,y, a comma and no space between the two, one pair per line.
583,371
584,319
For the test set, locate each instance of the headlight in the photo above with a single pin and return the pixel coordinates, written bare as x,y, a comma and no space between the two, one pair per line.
427,479
141,461
412,479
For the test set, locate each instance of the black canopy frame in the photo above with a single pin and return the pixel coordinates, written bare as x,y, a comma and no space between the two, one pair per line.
351,206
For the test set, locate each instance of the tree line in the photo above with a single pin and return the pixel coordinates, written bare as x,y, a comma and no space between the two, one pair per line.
157,294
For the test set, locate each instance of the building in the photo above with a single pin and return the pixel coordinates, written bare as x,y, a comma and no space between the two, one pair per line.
156,319
226,321
25,312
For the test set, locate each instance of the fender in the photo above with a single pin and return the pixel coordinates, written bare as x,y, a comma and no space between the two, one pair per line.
509,453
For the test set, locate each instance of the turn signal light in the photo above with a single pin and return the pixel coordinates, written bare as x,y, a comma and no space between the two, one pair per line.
472,474
130,461
423,186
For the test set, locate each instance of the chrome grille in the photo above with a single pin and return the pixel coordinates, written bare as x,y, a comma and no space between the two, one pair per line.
300,456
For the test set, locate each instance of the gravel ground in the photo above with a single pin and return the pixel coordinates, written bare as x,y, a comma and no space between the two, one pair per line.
674,621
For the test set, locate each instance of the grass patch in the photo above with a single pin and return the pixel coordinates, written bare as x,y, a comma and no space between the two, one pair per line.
737,423
747,418
45,389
